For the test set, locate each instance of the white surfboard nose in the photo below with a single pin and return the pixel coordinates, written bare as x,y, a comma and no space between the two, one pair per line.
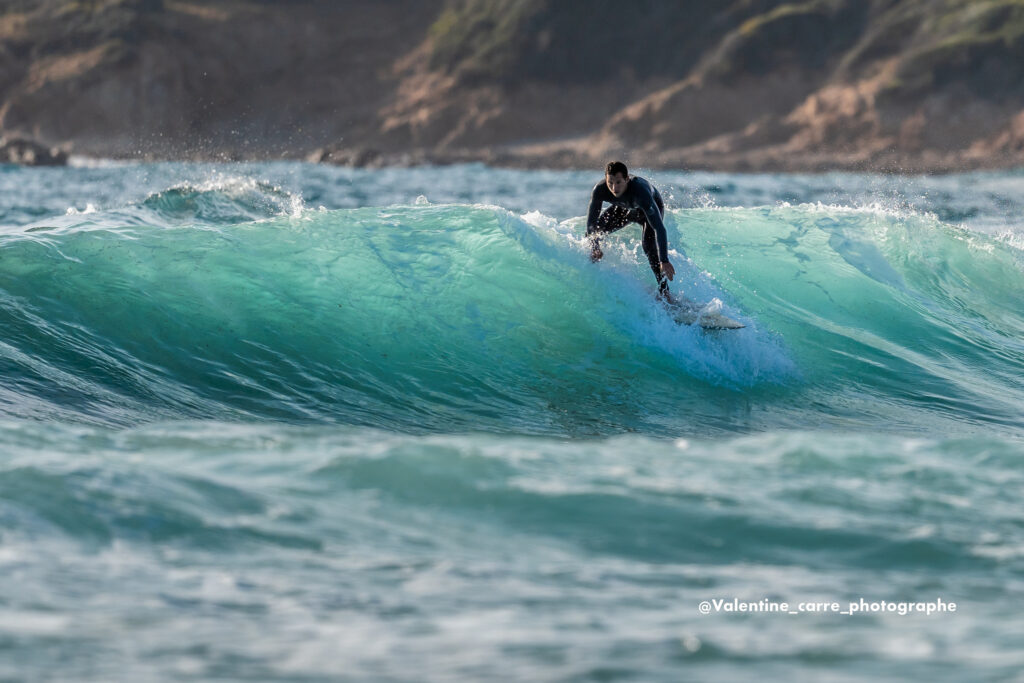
708,316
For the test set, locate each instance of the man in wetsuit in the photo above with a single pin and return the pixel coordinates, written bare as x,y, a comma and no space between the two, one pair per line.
633,200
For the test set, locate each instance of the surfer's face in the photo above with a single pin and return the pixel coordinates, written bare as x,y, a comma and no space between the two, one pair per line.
616,183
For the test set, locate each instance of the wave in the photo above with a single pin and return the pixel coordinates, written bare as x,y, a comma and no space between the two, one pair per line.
209,484
896,307
223,201
233,301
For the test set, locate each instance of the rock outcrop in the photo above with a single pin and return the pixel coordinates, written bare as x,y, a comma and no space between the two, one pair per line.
30,153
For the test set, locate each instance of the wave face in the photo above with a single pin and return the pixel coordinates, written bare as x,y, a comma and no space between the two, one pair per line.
233,301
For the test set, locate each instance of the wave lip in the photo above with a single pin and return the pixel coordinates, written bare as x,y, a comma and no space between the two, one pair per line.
222,202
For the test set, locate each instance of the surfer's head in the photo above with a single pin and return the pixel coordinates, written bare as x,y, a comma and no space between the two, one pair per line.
616,177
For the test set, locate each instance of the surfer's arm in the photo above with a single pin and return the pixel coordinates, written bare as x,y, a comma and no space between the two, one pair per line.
650,209
593,211
654,208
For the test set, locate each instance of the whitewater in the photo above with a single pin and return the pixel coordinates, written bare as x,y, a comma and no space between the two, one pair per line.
286,421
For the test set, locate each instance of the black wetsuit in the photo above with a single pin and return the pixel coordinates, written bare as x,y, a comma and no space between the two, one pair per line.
640,203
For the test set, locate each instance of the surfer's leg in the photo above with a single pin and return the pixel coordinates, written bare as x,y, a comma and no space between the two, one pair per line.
650,244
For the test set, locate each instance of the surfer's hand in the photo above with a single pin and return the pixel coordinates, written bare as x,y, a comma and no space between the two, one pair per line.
667,270
596,254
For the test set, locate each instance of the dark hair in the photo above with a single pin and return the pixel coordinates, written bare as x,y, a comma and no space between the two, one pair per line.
614,167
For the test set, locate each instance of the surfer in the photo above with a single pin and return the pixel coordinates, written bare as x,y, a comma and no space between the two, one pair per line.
633,200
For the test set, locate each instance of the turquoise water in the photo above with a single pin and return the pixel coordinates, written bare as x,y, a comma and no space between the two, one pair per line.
292,422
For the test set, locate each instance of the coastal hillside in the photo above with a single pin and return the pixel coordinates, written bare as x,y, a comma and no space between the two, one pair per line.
739,85
223,79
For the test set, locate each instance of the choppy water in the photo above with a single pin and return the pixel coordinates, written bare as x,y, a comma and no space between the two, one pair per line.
292,422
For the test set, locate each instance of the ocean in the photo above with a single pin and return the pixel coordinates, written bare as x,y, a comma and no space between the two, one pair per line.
292,422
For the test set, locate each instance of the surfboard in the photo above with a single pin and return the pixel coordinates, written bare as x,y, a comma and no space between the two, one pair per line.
708,316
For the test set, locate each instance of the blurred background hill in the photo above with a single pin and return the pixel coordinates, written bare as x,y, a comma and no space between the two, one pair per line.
728,84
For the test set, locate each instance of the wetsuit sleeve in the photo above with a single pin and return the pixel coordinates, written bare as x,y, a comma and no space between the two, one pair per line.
653,207
594,210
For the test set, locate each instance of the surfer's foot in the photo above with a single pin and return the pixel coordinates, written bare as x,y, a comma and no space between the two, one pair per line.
666,297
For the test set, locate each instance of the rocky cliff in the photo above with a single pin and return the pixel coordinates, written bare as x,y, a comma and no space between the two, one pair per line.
731,84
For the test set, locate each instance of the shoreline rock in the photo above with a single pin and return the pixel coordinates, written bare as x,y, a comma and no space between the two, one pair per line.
886,162
27,152
555,157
